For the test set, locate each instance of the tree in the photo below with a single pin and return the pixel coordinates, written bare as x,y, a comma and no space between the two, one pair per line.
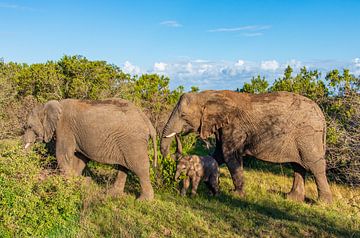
152,93
344,84
306,83
256,85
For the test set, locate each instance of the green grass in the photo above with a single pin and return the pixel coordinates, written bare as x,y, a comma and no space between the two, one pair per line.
264,212
34,203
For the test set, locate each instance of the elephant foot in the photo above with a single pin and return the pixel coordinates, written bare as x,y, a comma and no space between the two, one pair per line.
295,196
147,197
115,192
193,195
238,193
326,198
183,193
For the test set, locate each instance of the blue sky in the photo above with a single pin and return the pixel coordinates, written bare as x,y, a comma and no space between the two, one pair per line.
210,44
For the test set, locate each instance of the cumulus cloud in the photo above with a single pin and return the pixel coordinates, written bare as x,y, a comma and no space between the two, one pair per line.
207,74
269,65
129,68
159,66
239,63
357,62
293,63
171,23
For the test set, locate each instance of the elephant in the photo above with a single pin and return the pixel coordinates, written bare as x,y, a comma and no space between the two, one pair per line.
111,131
278,127
198,168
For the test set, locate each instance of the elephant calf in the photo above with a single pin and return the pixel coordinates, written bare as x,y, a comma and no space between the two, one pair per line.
111,131
197,168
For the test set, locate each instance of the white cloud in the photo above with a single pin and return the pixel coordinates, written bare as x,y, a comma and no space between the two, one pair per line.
131,69
269,65
160,66
15,7
207,74
241,28
293,63
239,63
356,61
253,34
171,23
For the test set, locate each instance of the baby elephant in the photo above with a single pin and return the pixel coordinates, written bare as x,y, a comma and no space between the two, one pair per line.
195,168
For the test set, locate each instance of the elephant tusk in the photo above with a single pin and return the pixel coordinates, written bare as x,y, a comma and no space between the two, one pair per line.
171,135
27,145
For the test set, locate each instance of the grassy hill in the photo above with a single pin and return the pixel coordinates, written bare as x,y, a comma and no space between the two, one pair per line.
36,201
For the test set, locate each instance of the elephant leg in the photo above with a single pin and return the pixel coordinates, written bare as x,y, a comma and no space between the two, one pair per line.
142,171
214,184
297,192
119,185
319,171
186,184
313,156
65,156
195,184
79,163
235,167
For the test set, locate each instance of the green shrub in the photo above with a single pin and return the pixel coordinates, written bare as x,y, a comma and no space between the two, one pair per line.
32,203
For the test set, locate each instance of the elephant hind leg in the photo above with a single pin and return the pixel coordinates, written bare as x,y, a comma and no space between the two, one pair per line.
313,157
142,171
319,171
119,185
297,192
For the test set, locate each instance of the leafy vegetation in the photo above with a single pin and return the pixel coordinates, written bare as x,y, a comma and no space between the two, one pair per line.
35,201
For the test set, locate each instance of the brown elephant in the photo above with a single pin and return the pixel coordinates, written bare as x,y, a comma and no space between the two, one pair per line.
111,131
277,127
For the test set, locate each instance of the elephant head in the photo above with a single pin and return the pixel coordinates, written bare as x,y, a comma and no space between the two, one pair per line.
42,122
203,113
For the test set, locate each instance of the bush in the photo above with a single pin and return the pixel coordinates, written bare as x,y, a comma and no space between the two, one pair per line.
33,203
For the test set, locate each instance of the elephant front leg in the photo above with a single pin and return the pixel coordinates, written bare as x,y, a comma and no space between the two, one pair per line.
186,184
297,192
214,184
119,185
235,167
195,185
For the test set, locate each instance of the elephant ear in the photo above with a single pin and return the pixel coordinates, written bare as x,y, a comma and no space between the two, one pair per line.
52,112
217,113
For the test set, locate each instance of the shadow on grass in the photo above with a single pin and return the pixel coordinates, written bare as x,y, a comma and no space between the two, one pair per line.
264,215
252,163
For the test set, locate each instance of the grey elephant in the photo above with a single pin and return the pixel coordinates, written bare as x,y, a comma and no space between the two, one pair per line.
197,168
111,131
276,127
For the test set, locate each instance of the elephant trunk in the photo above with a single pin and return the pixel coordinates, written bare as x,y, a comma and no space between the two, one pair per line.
29,138
172,127
177,175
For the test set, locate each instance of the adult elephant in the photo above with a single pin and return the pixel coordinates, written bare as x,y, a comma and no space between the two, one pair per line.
111,131
276,127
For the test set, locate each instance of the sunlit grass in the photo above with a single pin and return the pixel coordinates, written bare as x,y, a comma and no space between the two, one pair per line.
36,204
